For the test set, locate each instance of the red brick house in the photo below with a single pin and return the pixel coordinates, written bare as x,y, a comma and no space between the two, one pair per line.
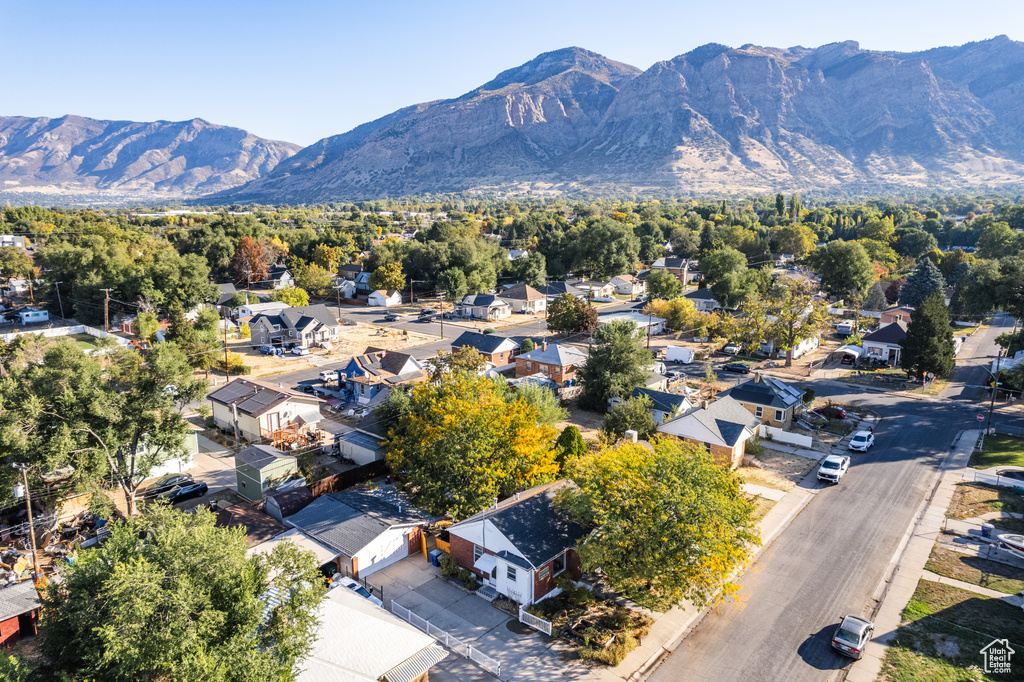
497,350
519,547
555,361
901,313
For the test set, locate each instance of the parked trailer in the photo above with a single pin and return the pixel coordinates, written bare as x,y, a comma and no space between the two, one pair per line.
679,354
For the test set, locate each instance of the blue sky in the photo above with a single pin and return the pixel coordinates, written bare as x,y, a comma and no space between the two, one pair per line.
300,70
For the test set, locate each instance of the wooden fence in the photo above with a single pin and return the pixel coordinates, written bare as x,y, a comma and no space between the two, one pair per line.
347,479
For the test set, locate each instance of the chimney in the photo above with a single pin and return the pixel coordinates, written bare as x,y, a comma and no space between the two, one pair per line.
704,404
544,345
631,436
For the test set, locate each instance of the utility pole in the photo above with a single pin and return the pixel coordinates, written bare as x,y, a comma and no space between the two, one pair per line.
31,525
106,311
650,315
59,302
227,371
995,388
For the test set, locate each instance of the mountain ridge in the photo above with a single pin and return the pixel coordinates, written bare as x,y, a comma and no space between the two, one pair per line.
80,155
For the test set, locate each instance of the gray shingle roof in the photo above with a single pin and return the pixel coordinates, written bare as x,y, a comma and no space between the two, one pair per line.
893,333
297,317
259,456
556,354
254,397
726,417
767,391
701,295
485,343
17,599
349,521
559,288
533,525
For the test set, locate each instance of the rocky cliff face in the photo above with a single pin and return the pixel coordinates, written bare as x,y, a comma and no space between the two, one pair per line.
714,119
77,155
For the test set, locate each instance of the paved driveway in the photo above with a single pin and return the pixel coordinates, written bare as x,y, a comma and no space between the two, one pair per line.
525,655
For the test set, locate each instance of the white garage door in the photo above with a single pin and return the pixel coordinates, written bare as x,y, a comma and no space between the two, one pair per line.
390,547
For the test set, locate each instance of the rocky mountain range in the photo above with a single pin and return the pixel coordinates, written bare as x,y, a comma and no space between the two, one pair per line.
752,119
73,155
835,118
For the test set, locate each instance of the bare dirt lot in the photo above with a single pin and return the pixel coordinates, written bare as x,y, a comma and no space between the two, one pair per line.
790,467
589,423
766,478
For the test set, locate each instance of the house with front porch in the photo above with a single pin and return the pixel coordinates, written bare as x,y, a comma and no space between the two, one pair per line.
367,375
264,411
520,546
525,299
723,426
772,401
883,344
483,307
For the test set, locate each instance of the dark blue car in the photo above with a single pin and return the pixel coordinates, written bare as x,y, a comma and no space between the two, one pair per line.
185,491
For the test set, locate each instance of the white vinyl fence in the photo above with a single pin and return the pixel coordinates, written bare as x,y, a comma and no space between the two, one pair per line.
993,479
778,435
534,622
455,644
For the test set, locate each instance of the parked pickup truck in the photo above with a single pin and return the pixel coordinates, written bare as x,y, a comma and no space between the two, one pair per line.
833,468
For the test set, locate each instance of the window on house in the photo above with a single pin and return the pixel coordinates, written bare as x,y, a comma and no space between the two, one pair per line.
510,573
758,411
527,365
708,446
478,552
558,565
290,333
543,574
263,339
780,416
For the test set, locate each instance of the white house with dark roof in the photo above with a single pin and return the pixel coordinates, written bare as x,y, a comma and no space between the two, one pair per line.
303,327
279,277
497,350
648,324
483,307
525,299
884,343
772,401
368,529
521,545
704,300
262,410
358,641
723,427
628,285
595,289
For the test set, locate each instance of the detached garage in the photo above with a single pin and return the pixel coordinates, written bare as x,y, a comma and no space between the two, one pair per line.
368,529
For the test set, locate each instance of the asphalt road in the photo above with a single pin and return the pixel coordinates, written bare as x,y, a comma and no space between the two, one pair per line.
831,559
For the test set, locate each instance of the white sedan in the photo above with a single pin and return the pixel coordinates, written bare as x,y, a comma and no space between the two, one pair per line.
862,440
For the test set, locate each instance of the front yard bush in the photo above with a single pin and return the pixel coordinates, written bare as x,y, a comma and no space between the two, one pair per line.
449,566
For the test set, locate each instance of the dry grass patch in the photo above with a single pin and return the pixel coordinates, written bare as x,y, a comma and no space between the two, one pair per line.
975,570
790,467
766,478
971,500
762,505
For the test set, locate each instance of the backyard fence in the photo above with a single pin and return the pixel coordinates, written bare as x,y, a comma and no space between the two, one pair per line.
534,622
347,479
993,479
454,643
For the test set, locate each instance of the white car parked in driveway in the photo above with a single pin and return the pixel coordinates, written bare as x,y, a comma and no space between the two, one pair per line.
862,440
832,468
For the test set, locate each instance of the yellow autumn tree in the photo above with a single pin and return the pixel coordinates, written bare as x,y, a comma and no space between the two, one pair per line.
670,522
464,441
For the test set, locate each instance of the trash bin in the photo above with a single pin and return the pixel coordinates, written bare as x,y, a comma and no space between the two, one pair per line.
435,557
986,530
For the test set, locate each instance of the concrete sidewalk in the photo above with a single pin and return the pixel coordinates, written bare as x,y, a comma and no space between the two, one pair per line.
910,560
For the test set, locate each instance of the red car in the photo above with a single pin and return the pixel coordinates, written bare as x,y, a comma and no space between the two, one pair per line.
832,412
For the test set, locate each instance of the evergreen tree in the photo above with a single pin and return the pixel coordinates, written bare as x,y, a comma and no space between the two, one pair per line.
633,414
875,299
922,283
928,346
570,445
707,238
780,204
615,366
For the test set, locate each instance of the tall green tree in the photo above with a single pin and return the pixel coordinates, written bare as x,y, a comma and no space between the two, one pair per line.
464,442
290,296
922,283
753,325
388,277
671,523
570,445
725,272
631,414
928,346
615,365
568,314
797,316
453,282
531,269
845,270
315,279
172,596
544,402
15,263
663,284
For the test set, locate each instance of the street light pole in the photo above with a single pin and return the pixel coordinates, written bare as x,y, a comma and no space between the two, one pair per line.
59,302
31,525
995,387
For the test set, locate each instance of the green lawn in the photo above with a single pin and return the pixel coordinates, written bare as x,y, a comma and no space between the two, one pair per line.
85,341
944,629
999,451
972,569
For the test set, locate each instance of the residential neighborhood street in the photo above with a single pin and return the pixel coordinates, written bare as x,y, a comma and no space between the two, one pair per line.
831,560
